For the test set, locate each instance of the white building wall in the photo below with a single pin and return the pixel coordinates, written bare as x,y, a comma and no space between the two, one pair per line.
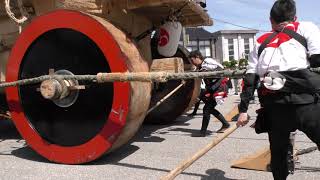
236,48
241,48
213,48
219,48
222,48
225,44
251,43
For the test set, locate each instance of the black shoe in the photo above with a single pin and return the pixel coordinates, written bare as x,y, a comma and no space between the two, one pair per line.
200,134
203,133
223,128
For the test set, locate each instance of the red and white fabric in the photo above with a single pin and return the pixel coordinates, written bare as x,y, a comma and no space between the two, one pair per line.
284,53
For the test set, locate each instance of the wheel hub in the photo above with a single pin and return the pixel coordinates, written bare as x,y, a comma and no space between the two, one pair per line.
64,93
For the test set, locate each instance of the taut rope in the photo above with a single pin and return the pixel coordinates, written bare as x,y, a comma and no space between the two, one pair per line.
137,76
125,77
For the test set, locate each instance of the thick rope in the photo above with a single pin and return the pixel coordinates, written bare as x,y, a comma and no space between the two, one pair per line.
164,76
316,70
124,77
23,11
141,76
40,79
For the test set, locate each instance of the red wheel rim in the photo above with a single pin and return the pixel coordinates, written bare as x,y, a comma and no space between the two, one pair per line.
103,141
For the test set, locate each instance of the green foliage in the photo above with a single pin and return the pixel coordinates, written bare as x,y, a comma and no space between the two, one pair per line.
233,64
226,64
243,63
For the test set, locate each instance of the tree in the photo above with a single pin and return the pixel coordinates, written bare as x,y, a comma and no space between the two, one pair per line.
233,64
243,63
226,64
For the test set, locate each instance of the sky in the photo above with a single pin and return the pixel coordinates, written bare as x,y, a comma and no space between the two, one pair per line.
255,13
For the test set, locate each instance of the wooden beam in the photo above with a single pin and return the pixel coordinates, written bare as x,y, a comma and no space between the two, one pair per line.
193,14
189,67
259,161
135,4
174,65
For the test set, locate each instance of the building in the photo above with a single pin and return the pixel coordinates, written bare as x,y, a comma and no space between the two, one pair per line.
222,45
199,39
233,44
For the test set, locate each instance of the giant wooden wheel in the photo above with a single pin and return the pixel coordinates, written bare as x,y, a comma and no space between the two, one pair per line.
180,101
81,125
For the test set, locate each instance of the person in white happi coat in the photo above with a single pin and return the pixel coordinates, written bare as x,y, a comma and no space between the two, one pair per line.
289,90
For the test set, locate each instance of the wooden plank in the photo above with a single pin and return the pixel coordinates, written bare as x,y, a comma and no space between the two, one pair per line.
232,113
89,6
135,4
42,7
155,10
202,14
174,65
189,67
4,55
260,161
158,10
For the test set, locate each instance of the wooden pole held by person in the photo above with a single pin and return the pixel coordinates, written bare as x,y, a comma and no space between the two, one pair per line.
185,164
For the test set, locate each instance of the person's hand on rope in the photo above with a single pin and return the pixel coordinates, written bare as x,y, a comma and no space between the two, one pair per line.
243,119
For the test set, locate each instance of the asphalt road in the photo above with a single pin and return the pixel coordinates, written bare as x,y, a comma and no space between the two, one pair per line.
153,152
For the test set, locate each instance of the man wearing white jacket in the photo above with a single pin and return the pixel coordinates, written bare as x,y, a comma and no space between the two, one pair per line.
212,87
289,91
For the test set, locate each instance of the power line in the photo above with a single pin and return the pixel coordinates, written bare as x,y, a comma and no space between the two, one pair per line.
245,27
255,3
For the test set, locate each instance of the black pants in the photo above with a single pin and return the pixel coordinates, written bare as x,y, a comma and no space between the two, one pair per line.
197,104
208,109
286,118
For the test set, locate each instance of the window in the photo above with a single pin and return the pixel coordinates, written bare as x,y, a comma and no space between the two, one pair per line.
192,46
246,48
193,43
231,49
205,48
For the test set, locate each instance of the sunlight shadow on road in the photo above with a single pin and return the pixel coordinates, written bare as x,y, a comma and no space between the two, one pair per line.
216,174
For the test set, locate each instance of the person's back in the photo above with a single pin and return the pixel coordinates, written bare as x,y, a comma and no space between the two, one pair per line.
213,85
284,53
288,57
289,92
